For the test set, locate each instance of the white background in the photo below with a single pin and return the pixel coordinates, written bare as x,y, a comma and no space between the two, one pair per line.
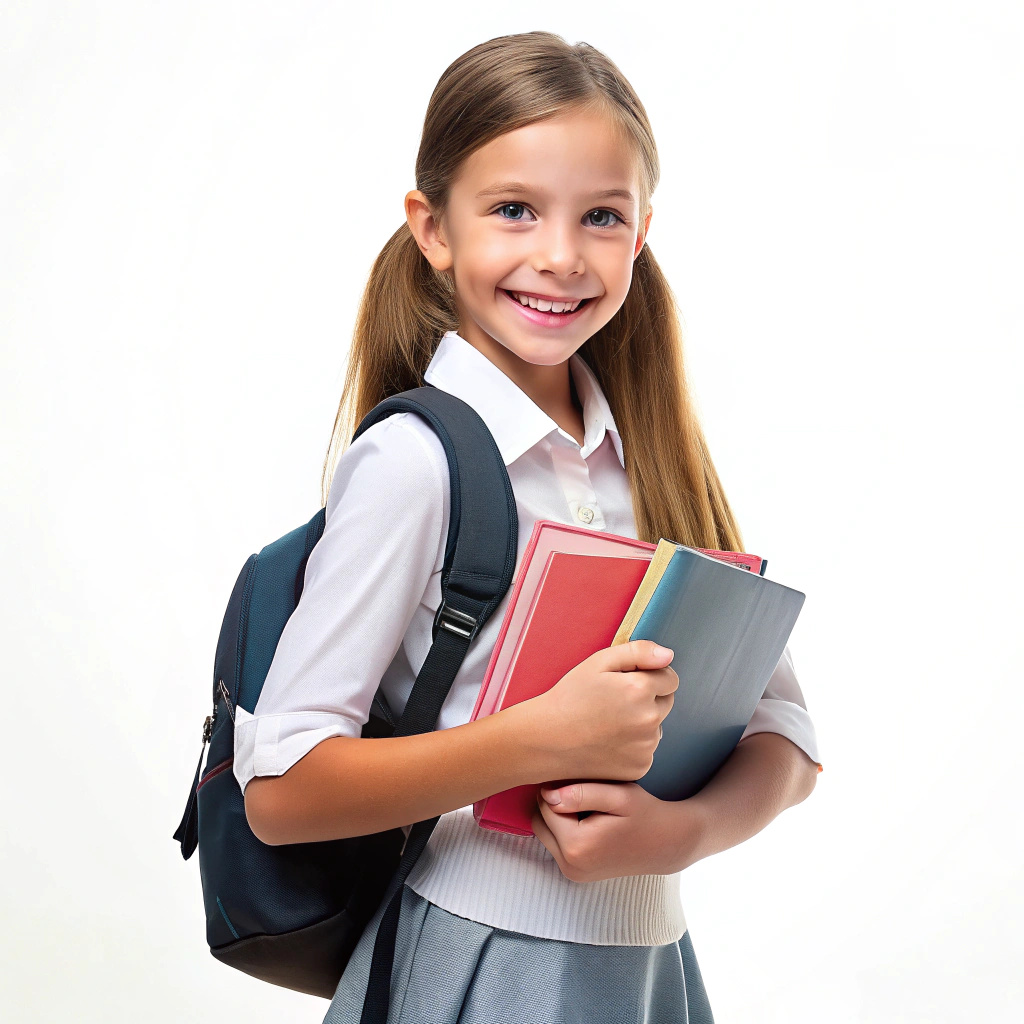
191,196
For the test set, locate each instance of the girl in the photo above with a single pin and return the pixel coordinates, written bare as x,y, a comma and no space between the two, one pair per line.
522,284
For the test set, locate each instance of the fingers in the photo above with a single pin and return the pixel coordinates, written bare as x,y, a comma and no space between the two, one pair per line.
663,682
664,704
647,657
668,682
585,795
637,654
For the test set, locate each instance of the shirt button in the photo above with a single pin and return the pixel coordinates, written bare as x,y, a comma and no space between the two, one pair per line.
585,514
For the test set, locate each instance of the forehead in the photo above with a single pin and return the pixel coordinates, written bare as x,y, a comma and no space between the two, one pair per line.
573,153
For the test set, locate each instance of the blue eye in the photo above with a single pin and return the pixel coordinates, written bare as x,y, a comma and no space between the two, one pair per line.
610,214
521,207
511,206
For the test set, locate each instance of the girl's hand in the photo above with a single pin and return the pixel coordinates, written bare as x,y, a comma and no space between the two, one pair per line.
603,718
633,833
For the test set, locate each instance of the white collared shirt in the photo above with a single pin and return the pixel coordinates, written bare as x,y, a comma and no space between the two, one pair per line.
365,618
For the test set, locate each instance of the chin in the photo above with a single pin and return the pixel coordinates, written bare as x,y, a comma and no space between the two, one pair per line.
538,351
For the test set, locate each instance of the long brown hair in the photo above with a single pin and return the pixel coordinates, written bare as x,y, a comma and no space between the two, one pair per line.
496,87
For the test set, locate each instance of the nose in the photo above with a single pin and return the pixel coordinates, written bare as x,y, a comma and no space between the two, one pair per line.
559,249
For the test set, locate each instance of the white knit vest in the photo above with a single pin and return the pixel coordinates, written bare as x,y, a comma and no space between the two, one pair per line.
514,882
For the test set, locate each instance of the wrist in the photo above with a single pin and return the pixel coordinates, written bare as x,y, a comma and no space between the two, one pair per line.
534,751
691,826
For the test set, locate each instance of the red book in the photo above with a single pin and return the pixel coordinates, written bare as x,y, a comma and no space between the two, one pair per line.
569,598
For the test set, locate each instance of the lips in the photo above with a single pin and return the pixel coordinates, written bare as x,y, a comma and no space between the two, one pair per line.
545,298
542,319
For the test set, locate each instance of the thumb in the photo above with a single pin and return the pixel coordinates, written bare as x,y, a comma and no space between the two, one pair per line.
637,654
583,796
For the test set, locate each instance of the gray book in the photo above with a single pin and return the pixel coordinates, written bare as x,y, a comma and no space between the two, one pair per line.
728,628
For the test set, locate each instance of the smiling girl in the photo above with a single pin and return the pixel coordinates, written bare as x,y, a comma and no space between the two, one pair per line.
521,282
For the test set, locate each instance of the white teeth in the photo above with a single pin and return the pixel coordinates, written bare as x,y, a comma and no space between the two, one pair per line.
545,305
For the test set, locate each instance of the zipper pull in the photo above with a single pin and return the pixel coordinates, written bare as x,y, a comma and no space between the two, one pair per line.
187,832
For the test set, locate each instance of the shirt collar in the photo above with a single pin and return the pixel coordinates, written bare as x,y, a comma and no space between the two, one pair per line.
515,421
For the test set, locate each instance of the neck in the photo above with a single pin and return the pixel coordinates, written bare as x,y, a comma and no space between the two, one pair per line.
550,388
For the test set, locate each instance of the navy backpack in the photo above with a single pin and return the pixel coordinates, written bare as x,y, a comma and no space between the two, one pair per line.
292,915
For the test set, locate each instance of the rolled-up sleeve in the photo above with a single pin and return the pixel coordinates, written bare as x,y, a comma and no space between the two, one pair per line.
782,709
363,580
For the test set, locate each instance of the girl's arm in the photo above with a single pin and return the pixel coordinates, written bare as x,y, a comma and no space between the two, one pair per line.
764,775
638,834
352,786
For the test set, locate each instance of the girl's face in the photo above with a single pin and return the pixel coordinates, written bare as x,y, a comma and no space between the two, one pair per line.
545,213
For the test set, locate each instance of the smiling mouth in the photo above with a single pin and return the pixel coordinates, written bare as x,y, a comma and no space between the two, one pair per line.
545,306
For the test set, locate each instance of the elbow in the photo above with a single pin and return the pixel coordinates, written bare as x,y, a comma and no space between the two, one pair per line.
807,778
802,771
299,805
260,810
797,771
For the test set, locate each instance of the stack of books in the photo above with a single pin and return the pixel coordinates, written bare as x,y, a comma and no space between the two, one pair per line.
579,591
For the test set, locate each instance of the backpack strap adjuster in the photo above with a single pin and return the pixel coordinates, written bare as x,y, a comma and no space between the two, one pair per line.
459,623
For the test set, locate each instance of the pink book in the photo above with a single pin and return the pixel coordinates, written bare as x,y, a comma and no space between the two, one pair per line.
569,597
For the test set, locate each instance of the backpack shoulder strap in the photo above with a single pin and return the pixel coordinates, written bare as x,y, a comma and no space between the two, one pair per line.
480,558
483,526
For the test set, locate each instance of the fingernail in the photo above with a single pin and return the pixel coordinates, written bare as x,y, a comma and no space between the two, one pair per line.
551,796
662,651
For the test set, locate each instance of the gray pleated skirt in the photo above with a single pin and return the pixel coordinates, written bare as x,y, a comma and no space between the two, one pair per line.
450,970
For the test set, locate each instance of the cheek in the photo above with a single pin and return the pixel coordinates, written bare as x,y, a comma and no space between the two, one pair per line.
615,280
479,259
611,260
626,265
496,258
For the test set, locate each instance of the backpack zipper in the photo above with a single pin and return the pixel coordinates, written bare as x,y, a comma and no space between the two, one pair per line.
223,691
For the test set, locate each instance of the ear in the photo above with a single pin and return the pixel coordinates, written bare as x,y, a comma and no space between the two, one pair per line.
642,235
426,230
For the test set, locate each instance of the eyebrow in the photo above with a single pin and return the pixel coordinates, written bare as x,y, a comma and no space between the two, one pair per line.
503,188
